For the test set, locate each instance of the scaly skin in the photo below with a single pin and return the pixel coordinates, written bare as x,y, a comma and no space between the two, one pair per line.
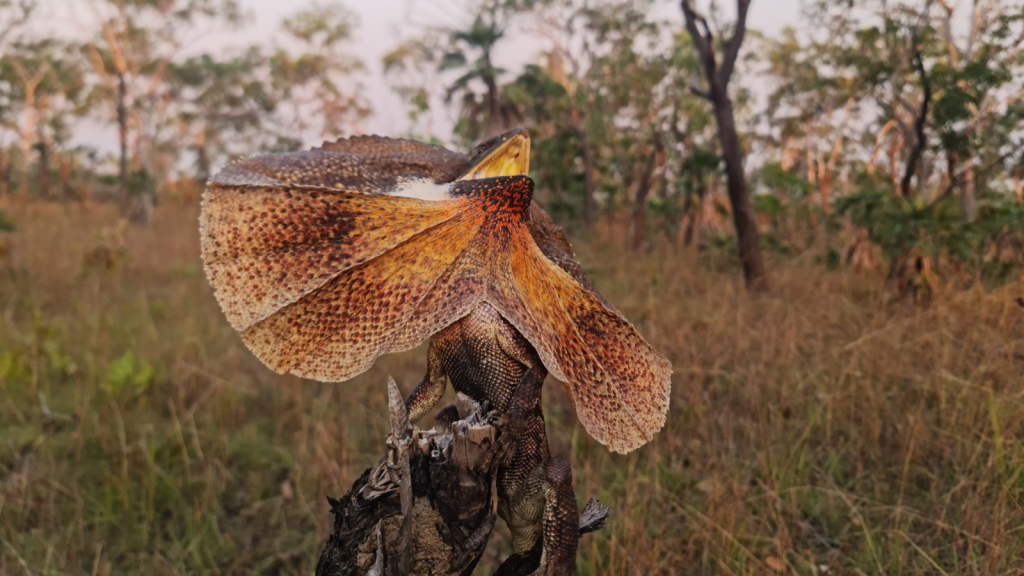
486,358
326,259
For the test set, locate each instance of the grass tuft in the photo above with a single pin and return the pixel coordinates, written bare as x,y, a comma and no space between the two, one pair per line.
812,429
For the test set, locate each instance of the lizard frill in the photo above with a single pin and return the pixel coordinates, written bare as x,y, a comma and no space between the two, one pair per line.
321,279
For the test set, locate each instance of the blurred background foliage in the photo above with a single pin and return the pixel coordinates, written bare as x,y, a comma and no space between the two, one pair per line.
898,124
864,416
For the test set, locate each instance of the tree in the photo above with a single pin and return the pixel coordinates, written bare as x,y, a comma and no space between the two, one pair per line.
635,101
930,121
411,68
977,106
694,165
224,106
14,15
923,79
808,114
46,87
28,71
457,63
470,52
571,28
594,54
717,75
137,42
318,77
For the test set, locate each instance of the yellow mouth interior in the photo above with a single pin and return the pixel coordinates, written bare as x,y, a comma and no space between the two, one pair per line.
510,159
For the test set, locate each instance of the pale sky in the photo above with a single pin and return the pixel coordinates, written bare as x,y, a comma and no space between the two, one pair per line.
385,22
382,25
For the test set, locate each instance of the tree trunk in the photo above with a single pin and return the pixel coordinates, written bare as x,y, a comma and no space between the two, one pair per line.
589,205
494,124
202,158
65,168
686,223
44,168
952,164
5,179
26,139
828,170
44,172
739,196
434,513
122,132
718,94
920,138
967,204
640,205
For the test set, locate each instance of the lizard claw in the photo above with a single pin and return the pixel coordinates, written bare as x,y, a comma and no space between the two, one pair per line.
379,482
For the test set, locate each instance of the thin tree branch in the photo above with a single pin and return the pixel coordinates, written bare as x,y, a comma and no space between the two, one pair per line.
972,36
732,150
679,135
955,182
732,45
704,43
919,122
891,111
700,93
27,7
947,30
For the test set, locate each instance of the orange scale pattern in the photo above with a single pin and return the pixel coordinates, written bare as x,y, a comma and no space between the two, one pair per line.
321,283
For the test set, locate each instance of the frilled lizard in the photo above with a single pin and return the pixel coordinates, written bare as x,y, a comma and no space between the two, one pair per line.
326,259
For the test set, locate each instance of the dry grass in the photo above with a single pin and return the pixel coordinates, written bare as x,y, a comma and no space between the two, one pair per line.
812,430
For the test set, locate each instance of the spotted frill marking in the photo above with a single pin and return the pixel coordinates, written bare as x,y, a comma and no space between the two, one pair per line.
322,279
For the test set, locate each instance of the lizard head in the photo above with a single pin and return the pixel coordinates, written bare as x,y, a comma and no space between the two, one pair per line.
504,155
322,269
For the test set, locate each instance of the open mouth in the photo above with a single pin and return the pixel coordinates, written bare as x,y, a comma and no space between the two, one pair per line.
511,158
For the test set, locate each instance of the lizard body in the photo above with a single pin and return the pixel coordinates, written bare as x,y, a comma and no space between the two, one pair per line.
326,259
487,359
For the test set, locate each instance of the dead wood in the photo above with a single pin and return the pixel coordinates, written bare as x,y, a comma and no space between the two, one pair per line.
428,507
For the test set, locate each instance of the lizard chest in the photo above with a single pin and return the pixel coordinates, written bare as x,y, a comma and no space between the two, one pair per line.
483,356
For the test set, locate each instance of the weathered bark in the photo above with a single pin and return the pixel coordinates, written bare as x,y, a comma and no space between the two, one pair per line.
443,481
640,204
495,123
432,514
450,505
26,8
44,166
739,197
202,158
920,138
826,171
122,133
718,77
688,221
65,169
29,85
5,174
967,205
589,207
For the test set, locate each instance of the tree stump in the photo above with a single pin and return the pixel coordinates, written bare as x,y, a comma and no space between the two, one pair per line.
428,507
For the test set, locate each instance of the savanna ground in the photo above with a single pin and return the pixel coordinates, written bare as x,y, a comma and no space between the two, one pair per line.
813,430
